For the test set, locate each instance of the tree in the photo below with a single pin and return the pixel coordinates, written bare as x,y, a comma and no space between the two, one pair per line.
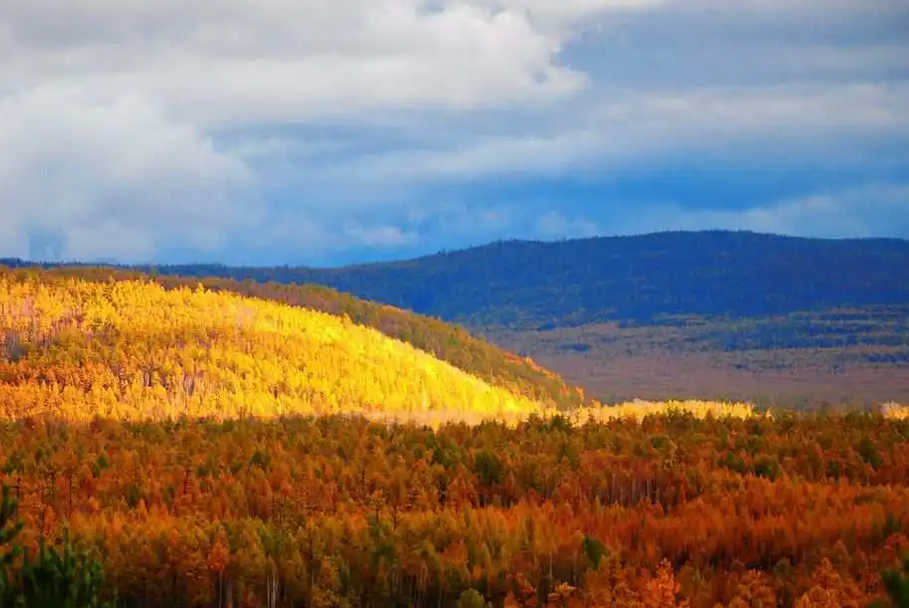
830,590
9,529
662,589
897,583
488,467
471,598
69,578
594,550
218,560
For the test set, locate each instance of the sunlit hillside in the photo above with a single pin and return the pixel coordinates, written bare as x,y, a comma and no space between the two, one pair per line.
134,350
448,342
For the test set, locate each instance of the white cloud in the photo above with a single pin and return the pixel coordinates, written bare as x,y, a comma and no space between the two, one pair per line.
113,180
380,236
250,62
627,127
481,157
879,210
108,107
748,110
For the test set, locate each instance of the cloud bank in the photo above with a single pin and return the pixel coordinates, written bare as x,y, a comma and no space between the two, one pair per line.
324,132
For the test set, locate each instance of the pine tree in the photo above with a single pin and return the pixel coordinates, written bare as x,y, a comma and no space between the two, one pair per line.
897,584
70,578
9,529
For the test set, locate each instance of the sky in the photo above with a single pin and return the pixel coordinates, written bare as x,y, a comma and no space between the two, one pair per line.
326,132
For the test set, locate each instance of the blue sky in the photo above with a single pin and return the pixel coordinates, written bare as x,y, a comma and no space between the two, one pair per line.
333,131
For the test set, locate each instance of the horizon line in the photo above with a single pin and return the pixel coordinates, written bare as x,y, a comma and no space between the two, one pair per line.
150,266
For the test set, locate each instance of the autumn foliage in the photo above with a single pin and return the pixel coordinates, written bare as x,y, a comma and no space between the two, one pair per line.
445,341
203,448
333,511
78,349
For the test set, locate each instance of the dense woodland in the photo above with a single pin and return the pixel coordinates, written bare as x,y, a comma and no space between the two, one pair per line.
447,342
132,349
174,444
673,510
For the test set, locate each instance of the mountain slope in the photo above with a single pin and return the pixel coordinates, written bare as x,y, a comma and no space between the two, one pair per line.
134,350
445,341
529,284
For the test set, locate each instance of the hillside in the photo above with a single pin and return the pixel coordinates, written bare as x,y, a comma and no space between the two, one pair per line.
445,341
776,320
522,284
780,321
132,349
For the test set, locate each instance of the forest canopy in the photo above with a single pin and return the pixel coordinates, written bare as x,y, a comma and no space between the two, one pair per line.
171,443
670,510
133,349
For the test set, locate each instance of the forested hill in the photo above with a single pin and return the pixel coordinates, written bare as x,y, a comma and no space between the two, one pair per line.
447,342
529,284
524,283
133,349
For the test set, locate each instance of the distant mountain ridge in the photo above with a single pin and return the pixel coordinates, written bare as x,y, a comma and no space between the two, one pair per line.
563,283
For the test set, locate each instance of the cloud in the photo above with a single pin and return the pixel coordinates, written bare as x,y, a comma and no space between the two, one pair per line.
878,210
732,111
250,62
629,127
111,110
116,180
379,236
318,131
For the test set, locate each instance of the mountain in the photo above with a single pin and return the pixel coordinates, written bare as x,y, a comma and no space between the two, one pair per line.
132,349
529,284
